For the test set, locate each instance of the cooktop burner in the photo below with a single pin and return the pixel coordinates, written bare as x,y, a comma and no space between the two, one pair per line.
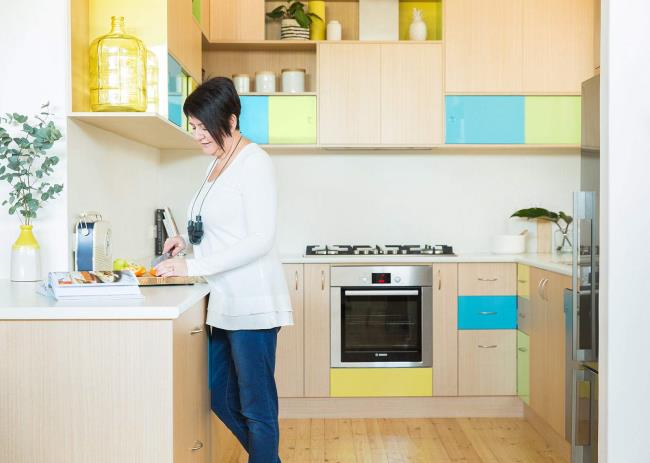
379,250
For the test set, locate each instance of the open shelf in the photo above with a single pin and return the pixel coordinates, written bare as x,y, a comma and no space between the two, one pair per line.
148,128
263,45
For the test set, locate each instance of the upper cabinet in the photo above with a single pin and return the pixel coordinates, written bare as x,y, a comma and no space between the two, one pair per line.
483,46
184,37
518,46
380,94
558,41
236,21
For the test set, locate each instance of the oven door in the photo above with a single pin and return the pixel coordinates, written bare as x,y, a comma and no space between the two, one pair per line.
381,327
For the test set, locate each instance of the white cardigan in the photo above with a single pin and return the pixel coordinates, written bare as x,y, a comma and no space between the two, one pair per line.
237,255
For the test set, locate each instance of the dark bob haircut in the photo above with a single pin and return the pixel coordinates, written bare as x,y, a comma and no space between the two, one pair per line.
213,103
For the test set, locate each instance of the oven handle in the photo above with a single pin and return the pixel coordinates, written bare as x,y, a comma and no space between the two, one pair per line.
389,292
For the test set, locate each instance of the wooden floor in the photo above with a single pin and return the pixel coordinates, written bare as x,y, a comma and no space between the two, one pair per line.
467,440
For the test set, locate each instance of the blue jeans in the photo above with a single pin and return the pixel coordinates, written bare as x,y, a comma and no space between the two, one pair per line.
242,389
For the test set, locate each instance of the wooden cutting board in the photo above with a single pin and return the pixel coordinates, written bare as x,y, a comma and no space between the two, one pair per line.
165,281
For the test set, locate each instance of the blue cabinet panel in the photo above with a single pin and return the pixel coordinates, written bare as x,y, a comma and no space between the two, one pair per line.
254,118
175,83
484,119
487,312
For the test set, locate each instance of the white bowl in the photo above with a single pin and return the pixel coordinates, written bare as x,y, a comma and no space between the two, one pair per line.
509,244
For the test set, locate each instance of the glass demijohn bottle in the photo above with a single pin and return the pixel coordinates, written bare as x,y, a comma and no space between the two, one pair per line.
118,63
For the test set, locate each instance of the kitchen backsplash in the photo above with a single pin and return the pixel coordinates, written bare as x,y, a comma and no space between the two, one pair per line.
462,199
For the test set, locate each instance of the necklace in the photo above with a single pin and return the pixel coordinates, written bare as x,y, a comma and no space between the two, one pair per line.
195,227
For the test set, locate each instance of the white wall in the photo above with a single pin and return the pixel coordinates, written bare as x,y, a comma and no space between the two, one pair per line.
625,192
34,56
398,197
119,178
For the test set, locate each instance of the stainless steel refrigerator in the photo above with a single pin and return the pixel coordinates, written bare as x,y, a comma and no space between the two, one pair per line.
581,303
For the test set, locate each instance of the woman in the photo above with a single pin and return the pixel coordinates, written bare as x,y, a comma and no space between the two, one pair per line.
232,229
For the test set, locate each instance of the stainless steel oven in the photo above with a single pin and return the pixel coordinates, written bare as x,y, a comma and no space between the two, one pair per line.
381,316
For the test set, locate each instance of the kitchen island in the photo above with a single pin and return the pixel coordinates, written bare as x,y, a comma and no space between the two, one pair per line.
104,381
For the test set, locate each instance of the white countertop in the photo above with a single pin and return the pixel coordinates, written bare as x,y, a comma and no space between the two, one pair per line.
554,263
20,301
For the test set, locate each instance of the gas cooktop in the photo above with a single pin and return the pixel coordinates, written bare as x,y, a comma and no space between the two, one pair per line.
379,250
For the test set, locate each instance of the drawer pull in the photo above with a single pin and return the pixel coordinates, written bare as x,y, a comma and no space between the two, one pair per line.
198,445
522,281
487,313
485,346
296,280
196,331
522,349
487,279
521,315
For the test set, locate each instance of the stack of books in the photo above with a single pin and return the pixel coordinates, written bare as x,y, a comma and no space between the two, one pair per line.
114,285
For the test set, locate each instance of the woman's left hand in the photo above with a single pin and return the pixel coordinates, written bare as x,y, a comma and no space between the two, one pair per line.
176,267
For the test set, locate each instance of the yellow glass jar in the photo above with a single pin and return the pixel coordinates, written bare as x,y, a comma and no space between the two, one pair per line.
118,70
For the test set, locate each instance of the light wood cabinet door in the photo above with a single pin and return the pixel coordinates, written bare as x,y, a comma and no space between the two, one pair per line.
483,50
556,374
184,37
411,94
290,353
487,362
191,393
558,37
349,90
538,343
487,279
445,330
317,330
233,21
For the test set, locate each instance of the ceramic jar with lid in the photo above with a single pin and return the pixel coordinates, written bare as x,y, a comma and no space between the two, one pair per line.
242,83
334,30
293,80
265,82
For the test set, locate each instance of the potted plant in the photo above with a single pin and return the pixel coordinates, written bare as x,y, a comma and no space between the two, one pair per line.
560,219
295,20
25,165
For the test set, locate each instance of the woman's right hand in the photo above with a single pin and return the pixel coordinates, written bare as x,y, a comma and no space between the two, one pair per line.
174,245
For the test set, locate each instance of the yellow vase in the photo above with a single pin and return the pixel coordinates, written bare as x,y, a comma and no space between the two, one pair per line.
118,70
26,256
317,28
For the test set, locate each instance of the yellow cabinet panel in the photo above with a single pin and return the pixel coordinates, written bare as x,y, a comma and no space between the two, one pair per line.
523,281
380,382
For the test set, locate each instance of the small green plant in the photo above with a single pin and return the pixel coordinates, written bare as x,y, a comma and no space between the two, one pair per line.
560,219
294,10
24,162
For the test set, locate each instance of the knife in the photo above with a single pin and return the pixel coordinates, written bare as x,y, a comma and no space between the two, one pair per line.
160,258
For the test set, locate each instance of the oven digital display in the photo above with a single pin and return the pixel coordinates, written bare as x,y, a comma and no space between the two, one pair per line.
381,278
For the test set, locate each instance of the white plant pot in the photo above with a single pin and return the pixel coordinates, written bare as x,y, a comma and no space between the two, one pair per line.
291,30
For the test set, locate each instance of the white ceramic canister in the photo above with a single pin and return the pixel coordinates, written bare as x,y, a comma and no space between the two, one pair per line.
242,83
265,82
334,30
293,80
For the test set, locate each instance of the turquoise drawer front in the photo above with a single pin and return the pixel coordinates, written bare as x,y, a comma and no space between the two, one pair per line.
254,118
176,81
487,312
484,119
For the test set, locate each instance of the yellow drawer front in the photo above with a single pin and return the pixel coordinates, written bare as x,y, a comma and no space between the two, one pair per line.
523,281
381,382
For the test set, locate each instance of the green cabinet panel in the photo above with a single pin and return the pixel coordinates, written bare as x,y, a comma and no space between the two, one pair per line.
523,366
553,120
196,9
292,120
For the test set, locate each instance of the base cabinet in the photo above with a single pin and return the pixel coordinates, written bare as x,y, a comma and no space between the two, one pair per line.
290,352
487,363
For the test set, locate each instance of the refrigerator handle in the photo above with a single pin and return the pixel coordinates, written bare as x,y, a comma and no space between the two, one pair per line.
578,213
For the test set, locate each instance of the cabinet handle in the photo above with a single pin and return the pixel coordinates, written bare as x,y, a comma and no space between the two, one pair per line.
539,288
485,346
196,331
322,280
544,283
487,313
522,349
198,445
487,279
522,281
296,280
439,281
521,315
